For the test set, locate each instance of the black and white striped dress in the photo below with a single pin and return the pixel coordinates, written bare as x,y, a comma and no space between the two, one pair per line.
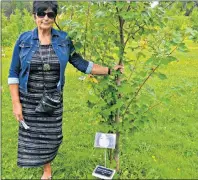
39,144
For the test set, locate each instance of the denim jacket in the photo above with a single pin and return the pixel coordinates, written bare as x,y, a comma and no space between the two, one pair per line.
28,43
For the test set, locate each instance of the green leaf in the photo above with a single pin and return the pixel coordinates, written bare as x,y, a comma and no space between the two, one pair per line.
182,48
151,60
162,76
165,100
118,104
139,54
150,91
100,14
138,123
142,74
189,31
145,99
177,40
120,5
78,45
168,59
125,88
189,5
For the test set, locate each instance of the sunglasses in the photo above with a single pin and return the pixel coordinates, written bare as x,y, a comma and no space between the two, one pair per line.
41,14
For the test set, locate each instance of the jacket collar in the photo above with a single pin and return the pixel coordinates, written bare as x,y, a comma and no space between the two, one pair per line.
35,33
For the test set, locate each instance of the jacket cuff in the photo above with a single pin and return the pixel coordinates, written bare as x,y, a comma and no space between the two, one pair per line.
89,67
13,80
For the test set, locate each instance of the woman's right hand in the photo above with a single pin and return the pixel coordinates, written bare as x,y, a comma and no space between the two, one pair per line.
17,111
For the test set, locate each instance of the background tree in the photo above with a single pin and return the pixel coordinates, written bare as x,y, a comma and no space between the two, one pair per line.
10,6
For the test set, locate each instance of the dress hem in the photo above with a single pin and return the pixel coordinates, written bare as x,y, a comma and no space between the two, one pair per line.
41,164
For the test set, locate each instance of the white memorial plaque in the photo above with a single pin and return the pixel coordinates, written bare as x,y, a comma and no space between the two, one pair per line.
103,172
105,140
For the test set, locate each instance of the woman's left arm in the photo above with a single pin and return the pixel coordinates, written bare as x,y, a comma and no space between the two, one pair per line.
89,67
101,70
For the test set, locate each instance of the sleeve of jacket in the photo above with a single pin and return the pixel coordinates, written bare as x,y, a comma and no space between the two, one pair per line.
78,62
15,65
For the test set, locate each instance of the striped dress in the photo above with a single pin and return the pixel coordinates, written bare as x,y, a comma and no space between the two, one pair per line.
39,144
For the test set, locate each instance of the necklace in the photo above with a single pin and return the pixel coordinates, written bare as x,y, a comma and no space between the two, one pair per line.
46,65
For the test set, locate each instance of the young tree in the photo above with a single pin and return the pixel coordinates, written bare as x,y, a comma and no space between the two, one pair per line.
143,39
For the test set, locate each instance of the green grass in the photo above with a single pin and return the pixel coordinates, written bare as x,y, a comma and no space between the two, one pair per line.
166,147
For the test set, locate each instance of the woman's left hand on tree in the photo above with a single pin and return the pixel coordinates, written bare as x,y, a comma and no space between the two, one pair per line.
119,68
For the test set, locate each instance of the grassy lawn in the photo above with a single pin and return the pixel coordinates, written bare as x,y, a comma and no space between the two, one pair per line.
166,147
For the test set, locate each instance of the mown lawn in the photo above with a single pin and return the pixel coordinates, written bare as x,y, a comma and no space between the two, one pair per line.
166,147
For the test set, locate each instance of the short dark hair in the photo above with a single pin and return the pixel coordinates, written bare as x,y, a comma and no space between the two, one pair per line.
44,5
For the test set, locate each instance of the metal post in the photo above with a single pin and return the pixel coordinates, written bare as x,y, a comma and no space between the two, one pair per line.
105,156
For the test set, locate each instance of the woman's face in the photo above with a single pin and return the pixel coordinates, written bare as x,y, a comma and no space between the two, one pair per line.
43,21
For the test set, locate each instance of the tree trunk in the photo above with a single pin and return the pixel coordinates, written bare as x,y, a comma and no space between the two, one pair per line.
86,29
189,11
118,83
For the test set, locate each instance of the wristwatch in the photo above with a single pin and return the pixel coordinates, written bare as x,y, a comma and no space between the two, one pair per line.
109,71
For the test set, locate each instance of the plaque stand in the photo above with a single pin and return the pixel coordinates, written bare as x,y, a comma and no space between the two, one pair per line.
105,141
105,155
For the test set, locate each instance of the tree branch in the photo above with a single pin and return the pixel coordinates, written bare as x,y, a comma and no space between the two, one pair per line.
129,7
136,94
133,33
153,70
175,47
153,106
86,29
169,5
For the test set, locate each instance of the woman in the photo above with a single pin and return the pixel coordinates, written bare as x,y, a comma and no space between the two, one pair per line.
38,65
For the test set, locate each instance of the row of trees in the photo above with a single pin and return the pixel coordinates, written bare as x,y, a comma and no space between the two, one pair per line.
17,18
9,6
131,33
